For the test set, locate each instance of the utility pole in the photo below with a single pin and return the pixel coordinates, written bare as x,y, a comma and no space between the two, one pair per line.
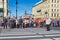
16,8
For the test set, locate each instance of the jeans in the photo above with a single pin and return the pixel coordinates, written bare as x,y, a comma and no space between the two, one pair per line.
48,27
20,26
5,26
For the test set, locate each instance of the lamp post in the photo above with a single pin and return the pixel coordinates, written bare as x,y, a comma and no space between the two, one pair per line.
7,7
16,8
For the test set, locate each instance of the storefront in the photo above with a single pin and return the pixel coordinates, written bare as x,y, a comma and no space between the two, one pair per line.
1,12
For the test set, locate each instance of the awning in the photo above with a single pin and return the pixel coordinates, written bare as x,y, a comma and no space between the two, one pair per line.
43,18
1,9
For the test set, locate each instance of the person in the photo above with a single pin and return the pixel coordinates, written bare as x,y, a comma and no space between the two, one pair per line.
5,23
8,23
48,22
27,23
17,23
59,22
20,22
39,23
31,22
36,22
55,22
24,23
11,23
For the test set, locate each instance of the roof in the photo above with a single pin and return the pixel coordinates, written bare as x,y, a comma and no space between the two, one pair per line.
39,2
27,16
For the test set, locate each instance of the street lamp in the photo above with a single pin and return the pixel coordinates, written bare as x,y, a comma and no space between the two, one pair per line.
16,8
7,7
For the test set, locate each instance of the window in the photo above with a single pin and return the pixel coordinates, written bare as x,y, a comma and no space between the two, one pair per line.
54,9
39,11
52,5
57,1
52,0
45,12
54,14
57,9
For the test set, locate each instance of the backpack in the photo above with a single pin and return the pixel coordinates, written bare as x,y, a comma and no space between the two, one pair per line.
31,22
20,21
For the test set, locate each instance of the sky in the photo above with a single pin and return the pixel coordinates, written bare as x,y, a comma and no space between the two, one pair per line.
23,5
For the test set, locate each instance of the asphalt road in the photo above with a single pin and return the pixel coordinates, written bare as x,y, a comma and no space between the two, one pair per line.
33,37
0,30
30,34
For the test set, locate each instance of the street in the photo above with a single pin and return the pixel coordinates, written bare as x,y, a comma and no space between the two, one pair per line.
30,34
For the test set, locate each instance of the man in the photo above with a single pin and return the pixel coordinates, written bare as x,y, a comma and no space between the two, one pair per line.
27,23
20,22
36,22
11,23
31,22
59,22
5,23
48,22
55,22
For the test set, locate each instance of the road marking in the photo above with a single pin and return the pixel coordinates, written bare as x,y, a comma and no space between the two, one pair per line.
20,37
56,38
40,39
51,35
2,34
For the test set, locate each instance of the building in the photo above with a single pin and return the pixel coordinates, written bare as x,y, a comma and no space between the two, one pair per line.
27,15
3,8
45,8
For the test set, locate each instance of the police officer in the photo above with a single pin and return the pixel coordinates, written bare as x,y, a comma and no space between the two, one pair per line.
48,22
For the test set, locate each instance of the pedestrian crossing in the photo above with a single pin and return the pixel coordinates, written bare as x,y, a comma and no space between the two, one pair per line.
46,39
12,37
29,34
33,37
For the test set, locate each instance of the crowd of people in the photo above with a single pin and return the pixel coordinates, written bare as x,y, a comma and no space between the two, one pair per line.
28,23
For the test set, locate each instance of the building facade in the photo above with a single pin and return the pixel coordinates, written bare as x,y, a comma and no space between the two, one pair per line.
3,8
45,8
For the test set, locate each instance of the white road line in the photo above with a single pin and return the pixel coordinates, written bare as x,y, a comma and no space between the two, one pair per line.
20,37
56,38
51,35
17,34
40,39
